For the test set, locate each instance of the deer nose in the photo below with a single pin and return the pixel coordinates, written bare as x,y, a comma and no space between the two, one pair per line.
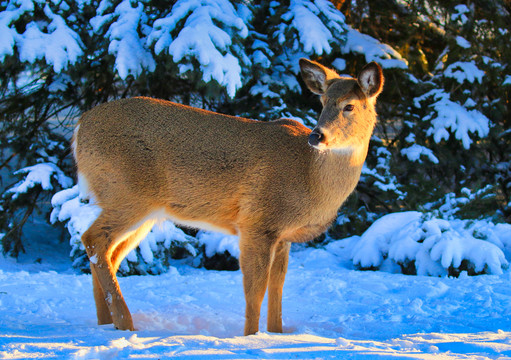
315,137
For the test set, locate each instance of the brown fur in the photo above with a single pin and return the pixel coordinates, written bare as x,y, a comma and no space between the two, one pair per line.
143,158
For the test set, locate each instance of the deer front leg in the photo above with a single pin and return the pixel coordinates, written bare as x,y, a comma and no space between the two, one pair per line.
276,284
255,263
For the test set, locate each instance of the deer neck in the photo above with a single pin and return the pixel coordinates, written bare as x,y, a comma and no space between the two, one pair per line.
336,172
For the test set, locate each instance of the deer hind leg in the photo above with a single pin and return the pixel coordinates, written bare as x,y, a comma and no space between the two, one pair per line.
276,283
105,235
255,263
102,310
120,252
131,242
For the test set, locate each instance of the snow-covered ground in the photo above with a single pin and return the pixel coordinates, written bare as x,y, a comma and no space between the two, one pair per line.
330,311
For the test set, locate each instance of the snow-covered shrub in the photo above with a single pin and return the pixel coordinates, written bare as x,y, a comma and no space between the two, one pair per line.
220,251
49,38
424,245
164,242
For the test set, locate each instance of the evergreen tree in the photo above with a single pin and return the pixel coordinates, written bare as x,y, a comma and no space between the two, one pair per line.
446,120
444,116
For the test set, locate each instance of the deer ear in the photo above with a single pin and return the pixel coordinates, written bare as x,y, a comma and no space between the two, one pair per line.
316,76
371,79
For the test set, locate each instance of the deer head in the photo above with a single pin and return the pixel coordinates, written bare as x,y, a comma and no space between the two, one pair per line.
348,117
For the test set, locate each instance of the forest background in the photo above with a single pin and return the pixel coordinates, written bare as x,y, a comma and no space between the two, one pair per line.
441,147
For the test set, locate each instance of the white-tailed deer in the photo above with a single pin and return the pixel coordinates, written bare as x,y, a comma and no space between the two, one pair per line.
271,183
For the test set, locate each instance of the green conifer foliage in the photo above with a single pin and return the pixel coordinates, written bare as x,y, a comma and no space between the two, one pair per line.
444,115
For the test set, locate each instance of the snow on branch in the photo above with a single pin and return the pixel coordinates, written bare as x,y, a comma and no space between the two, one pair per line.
464,71
207,37
462,42
448,114
451,204
51,40
373,50
459,14
9,33
40,174
67,206
320,27
314,36
131,54
416,151
218,243
381,174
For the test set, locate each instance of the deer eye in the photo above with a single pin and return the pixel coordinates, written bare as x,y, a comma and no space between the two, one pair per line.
349,107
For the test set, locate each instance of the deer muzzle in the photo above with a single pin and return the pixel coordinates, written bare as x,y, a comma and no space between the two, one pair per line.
316,137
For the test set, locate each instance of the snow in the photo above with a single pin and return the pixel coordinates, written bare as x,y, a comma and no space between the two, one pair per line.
464,71
450,205
203,39
7,40
67,206
39,174
461,10
339,64
373,50
384,179
329,311
207,36
448,114
415,151
260,56
432,245
462,42
59,45
217,243
369,250
131,55
312,33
